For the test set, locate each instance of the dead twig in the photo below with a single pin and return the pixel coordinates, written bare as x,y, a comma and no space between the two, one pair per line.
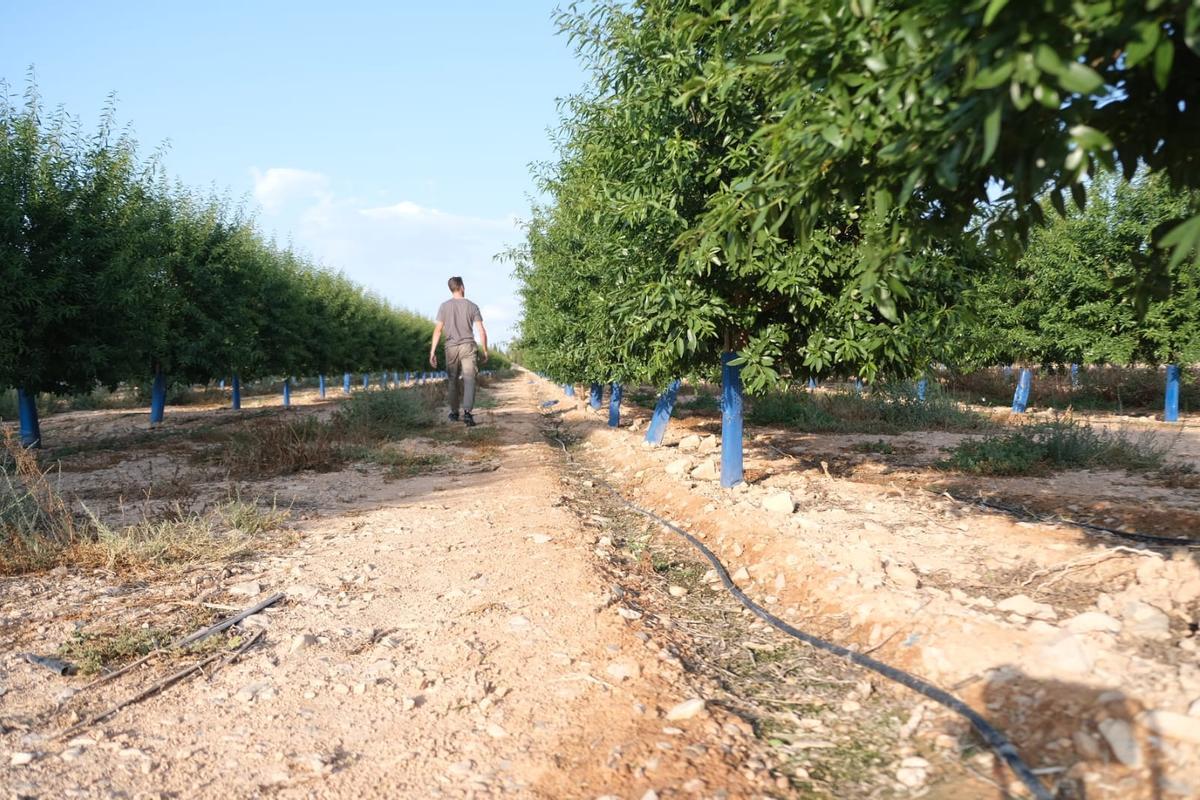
191,638
236,654
1085,561
149,691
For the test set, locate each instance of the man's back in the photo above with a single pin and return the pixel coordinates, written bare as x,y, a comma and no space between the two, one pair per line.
458,316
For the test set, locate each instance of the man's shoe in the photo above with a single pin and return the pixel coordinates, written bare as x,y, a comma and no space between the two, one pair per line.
454,416
469,419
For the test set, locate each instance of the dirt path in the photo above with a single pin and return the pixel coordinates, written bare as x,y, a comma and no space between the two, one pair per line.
441,639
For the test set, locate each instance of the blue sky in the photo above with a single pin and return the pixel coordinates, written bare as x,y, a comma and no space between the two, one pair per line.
388,139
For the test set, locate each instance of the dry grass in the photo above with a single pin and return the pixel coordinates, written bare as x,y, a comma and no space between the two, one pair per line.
179,539
40,530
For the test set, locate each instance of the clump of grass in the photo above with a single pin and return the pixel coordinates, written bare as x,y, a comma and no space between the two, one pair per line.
36,522
282,447
400,463
1039,448
96,651
878,446
180,538
886,409
381,416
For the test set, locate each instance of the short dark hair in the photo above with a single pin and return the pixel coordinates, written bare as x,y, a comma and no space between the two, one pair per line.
455,284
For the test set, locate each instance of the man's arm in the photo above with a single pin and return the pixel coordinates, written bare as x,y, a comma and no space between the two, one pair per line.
437,334
483,340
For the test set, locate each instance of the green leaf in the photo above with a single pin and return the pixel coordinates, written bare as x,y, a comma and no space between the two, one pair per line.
1146,33
991,77
1080,78
994,8
833,135
1164,56
1047,60
1183,240
991,133
766,58
1090,138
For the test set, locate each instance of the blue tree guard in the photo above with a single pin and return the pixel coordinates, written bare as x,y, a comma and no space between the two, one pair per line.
596,396
221,384
662,414
1171,407
396,378
812,384
1021,395
1074,376
1007,371
569,389
158,397
321,385
287,393
237,392
30,427
366,380
731,422
346,383
922,387
614,405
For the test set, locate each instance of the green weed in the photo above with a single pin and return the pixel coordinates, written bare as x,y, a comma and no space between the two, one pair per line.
1039,448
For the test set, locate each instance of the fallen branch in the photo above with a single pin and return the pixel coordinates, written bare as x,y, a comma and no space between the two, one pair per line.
150,691
237,653
229,622
191,638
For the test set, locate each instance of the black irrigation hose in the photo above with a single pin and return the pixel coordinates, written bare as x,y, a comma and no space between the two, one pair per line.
1145,538
994,738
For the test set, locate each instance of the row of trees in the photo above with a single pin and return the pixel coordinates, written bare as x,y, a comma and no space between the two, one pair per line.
112,273
1068,299
819,186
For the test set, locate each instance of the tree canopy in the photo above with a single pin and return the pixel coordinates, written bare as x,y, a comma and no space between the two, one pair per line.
814,185
111,272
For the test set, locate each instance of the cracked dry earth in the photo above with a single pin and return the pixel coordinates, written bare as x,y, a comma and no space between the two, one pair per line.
448,636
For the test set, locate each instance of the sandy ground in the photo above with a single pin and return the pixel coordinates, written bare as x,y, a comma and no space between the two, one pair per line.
503,630
1082,648
440,638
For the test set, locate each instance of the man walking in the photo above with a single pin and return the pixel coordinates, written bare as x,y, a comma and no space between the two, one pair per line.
457,317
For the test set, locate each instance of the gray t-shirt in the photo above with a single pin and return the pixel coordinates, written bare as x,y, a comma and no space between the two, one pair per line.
458,316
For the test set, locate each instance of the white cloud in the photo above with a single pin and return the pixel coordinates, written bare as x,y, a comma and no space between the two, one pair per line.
403,251
278,186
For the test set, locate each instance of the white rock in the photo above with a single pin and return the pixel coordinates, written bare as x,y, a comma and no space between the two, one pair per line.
912,777
302,641
1027,607
1067,655
1093,622
707,471
686,710
495,731
689,444
902,576
629,613
1119,735
1180,727
623,670
742,574
679,467
1146,621
650,795
21,759
676,591
246,589
540,538
779,503
258,689
709,444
